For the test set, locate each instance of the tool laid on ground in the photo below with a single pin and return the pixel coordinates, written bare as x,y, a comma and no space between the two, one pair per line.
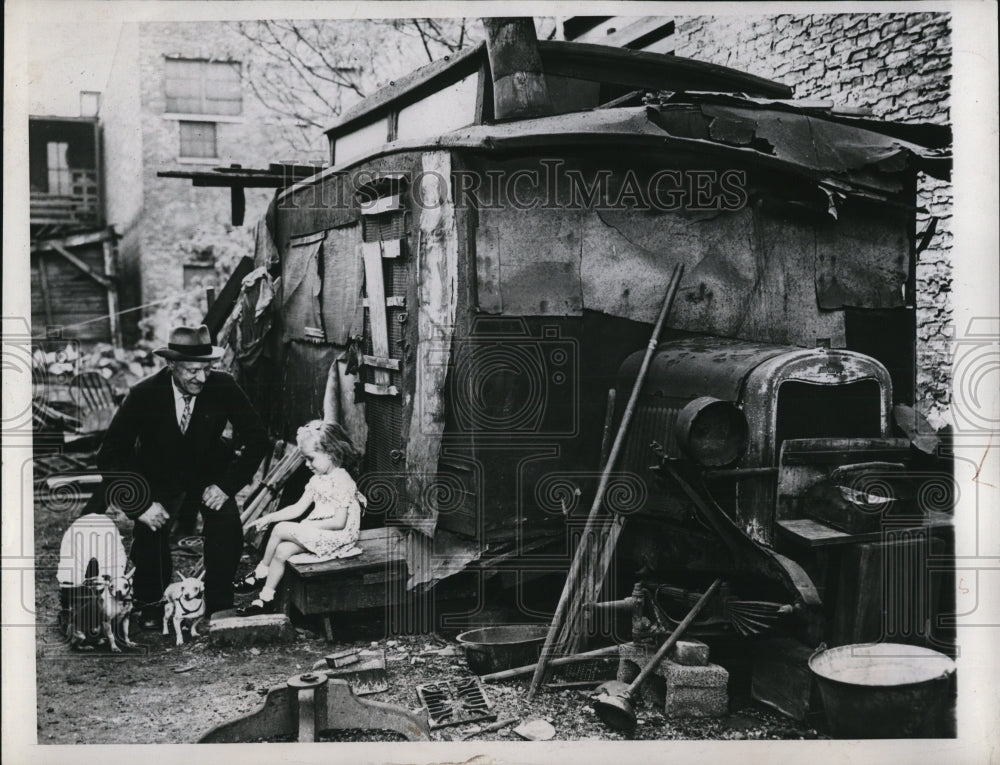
364,670
498,725
614,702
311,703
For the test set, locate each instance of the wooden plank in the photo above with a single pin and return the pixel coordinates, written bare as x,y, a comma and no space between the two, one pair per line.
379,547
392,248
381,390
380,363
216,316
815,534
375,292
393,301
380,205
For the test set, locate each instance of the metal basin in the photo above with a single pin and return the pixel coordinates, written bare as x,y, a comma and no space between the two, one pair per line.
505,646
884,690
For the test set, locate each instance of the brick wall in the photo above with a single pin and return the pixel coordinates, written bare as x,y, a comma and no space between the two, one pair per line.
896,65
166,222
181,221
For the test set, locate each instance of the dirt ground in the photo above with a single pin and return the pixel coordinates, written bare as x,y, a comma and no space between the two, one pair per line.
163,693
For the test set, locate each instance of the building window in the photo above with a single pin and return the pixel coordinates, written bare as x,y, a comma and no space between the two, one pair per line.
203,87
198,140
60,176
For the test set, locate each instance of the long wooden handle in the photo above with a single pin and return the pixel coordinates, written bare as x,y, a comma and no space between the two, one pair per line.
507,674
574,572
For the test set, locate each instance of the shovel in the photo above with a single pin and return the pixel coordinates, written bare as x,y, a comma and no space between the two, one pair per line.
614,702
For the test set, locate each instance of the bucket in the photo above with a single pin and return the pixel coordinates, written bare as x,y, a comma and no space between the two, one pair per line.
505,646
884,690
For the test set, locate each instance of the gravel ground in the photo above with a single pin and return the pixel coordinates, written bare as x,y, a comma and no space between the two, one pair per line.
162,693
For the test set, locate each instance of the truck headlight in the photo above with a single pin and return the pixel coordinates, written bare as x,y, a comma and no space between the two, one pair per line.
712,432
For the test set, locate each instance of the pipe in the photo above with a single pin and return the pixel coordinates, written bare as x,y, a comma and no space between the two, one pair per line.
519,89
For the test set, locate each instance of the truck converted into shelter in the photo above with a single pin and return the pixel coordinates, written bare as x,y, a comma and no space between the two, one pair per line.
481,264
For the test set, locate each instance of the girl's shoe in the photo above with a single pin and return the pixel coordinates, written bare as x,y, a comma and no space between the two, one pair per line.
249,583
258,606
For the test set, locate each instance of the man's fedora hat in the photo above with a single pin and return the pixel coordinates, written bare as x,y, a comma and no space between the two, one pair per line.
190,344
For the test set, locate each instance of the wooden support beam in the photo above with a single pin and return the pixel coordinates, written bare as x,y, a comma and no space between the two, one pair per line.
377,320
43,279
110,268
102,280
74,240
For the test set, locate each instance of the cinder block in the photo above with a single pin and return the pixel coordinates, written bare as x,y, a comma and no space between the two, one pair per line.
696,702
681,676
226,628
692,653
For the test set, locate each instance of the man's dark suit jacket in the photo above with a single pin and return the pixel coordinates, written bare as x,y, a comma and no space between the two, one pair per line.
145,439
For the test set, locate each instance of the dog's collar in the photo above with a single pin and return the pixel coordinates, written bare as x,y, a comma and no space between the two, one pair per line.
192,610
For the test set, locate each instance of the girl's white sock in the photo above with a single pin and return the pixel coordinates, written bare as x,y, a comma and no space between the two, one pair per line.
266,594
261,571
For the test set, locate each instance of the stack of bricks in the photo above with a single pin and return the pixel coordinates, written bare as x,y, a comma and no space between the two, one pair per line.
685,684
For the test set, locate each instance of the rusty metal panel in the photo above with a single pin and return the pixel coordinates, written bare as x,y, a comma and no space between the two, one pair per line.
862,259
343,275
746,274
530,261
301,289
302,385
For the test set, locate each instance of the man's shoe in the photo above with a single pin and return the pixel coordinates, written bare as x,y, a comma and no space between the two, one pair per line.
249,583
258,606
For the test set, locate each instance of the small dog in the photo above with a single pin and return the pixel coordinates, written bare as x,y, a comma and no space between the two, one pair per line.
115,598
184,601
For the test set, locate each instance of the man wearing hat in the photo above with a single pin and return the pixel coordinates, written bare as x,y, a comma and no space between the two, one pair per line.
164,445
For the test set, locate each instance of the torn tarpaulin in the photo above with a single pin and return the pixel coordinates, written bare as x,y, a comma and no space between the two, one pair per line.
846,154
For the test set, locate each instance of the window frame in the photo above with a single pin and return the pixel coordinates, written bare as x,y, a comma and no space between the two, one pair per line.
205,97
181,140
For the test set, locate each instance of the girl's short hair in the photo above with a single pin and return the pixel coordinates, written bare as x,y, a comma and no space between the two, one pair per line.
333,440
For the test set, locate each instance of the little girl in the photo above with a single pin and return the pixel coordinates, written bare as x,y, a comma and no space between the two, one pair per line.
329,531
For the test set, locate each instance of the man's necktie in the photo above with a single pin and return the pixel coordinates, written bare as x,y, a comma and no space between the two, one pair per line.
186,414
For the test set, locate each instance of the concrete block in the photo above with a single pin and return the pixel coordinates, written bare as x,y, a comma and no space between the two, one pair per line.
226,628
689,653
708,676
696,702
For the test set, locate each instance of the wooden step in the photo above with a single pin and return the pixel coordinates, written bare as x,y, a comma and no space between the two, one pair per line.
374,578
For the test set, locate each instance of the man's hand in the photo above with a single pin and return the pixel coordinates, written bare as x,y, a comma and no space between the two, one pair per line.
213,497
155,517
